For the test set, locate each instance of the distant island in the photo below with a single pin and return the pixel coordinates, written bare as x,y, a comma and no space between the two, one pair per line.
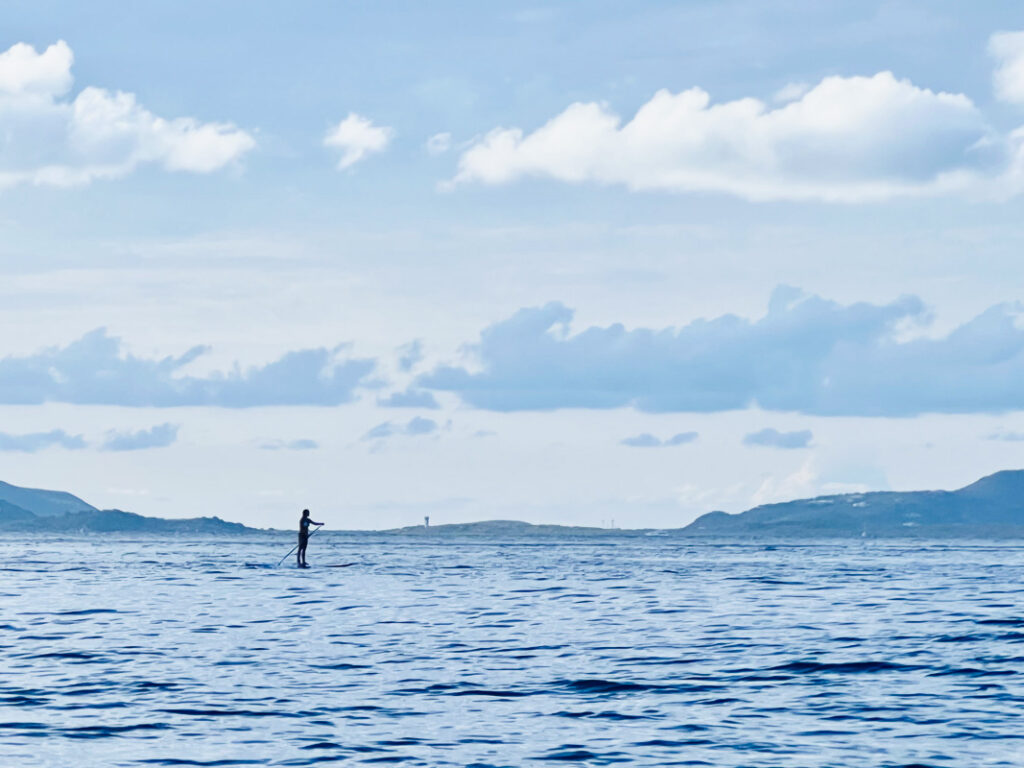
34,509
991,508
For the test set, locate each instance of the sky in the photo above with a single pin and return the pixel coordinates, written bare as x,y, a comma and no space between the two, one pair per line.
566,262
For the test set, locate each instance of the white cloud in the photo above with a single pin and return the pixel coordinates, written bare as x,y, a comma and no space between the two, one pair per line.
790,92
1008,49
805,482
356,136
439,143
847,139
53,139
802,483
23,71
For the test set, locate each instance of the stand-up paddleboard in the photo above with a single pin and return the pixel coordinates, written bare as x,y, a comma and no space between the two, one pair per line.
270,566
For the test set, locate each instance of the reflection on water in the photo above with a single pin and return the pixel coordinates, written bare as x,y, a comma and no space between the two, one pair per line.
169,652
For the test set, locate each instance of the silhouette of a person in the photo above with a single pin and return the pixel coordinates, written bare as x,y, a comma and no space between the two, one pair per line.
304,524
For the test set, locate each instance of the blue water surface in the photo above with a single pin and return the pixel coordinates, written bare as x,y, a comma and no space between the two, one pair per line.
175,652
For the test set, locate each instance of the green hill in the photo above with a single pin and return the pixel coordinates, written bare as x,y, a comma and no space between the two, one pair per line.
33,509
992,507
42,503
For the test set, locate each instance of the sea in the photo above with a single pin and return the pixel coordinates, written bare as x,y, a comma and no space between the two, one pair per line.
640,651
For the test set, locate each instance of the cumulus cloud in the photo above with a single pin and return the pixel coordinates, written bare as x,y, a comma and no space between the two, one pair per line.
25,71
772,438
303,444
54,138
846,139
160,436
357,137
95,370
806,355
1008,50
413,428
647,440
410,398
37,441
790,92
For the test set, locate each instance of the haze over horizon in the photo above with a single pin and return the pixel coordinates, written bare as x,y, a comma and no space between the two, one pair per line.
553,263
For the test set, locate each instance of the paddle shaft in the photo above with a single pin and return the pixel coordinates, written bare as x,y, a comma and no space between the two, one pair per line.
315,530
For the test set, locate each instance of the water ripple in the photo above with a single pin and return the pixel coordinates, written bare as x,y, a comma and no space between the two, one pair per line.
157,652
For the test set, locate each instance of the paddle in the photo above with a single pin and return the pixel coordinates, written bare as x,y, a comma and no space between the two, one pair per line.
315,530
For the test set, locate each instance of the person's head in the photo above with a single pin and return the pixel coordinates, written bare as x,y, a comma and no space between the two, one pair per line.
305,513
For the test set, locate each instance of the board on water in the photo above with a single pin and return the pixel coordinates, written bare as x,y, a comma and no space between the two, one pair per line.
265,565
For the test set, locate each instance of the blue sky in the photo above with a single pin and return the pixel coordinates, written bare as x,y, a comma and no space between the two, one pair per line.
388,260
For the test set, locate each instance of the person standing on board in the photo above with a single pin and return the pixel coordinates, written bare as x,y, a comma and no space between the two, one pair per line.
304,524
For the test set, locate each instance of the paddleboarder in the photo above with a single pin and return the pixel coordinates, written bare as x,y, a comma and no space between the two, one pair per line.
304,524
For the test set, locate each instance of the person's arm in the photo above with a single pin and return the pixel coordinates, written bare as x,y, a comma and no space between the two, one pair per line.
314,522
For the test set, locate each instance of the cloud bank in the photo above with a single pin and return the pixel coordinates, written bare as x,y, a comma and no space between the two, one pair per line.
806,355
51,138
38,441
357,138
772,438
1008,50
95,370
160,436
845,139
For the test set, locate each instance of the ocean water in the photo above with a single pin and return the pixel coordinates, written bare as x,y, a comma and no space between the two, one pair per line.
167,652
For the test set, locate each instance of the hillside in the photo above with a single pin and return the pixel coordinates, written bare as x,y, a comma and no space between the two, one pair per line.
42,503
990,507
118,521
33,509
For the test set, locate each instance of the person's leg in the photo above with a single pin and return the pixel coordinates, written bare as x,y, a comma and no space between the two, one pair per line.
300,556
